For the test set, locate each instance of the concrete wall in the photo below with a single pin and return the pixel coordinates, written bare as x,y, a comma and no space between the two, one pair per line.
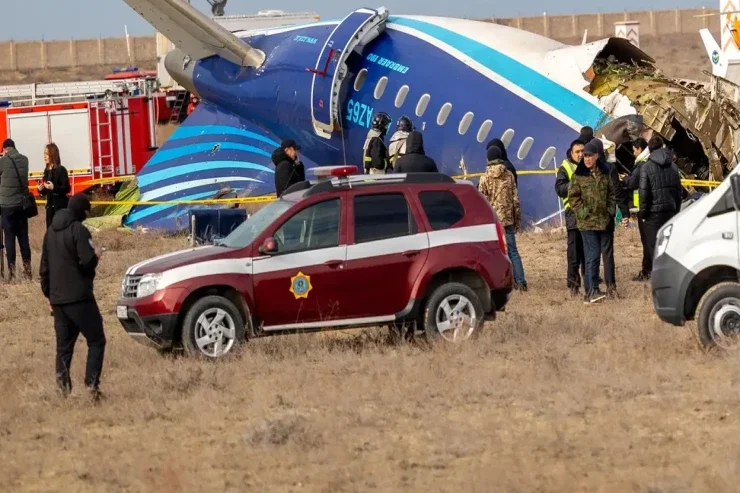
39,55
652,23
35,55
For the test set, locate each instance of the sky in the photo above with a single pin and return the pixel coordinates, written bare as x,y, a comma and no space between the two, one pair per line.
81,19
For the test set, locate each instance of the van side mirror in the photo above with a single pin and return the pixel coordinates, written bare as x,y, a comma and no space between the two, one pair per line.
735,184
269,246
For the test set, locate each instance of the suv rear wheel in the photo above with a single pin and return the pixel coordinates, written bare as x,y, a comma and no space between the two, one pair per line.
213,327
454,313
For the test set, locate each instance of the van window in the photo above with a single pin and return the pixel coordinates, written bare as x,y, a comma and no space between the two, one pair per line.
724,205
524,148
316,226
484,130
547,156
444,112
382,216
506,138
360,79
401,96
380,87
421,106
462,129
442,208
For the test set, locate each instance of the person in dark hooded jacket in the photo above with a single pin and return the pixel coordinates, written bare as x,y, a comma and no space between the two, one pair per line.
415,160
68,262
660,195
288,169
575,255
501,147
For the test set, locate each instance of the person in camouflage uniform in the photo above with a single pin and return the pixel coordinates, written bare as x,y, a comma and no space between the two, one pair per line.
498,186
592,198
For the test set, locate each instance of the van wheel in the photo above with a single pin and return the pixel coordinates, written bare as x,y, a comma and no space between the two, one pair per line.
454,313
719,316
213,327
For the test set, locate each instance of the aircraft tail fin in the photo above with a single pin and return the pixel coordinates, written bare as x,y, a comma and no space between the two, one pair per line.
194,33
716,56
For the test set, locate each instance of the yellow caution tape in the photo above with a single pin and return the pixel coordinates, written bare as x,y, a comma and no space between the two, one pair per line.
270,198
112,179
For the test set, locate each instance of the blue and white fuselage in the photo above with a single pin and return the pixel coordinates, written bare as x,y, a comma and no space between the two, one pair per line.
461,82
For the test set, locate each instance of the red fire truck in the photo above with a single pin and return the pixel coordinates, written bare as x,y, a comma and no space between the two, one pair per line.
105,130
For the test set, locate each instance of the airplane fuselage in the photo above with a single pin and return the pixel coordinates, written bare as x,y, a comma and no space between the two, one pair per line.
450,76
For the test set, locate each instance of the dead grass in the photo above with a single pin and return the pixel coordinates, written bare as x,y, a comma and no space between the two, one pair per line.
555,397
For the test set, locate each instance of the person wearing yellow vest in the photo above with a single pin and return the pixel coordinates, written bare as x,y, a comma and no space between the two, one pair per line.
641,152
576,257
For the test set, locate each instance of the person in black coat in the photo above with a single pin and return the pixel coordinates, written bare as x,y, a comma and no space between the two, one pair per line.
659,195
415,161
68,262
289,169
575,255
54,185
500,144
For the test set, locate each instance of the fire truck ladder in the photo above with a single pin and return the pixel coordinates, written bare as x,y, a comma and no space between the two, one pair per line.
182,96
105,164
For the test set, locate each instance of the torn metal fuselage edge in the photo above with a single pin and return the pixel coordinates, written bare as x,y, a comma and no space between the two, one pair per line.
700,121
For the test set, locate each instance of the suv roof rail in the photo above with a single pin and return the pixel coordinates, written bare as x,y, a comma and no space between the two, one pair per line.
367,180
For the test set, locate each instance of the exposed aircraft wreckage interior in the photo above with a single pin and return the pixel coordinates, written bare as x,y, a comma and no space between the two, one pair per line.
698,120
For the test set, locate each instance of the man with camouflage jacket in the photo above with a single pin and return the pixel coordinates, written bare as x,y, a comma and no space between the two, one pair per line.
498,186
592,198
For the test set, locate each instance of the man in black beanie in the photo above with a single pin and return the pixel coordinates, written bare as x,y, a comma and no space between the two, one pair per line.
586,135
68,262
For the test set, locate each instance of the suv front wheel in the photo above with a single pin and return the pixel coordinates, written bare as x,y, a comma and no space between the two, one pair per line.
454,313
213,327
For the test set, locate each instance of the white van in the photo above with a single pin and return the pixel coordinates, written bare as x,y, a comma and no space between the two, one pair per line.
697,265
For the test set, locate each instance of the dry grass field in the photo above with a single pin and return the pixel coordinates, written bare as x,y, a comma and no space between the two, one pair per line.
556,396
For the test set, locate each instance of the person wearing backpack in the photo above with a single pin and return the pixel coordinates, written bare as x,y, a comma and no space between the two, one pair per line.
13,191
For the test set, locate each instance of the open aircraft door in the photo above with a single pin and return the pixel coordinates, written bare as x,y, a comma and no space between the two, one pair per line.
356,30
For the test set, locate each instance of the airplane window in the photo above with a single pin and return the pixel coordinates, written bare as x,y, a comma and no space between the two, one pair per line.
380,87
506,138
360,79
444,112
462,129
421,106
401,96
547,157
484,129
525,148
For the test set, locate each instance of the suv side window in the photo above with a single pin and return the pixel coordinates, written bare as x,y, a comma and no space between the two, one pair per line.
442,208
382,216
316,226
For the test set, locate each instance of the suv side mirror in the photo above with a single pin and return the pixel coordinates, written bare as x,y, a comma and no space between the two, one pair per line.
269,246
735,184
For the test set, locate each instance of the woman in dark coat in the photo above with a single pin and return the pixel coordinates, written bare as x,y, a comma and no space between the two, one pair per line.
55,184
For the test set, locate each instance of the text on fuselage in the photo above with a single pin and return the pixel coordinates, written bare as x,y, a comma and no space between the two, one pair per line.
384,62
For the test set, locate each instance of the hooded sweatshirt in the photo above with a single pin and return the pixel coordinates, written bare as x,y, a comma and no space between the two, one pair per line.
501,147
632,184
660,184
68,258
287,171
415,161
498,186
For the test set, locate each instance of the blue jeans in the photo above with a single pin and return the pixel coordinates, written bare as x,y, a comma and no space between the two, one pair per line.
516,260
593,243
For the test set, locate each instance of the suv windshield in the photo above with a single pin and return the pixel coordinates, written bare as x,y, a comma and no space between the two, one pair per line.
255,225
